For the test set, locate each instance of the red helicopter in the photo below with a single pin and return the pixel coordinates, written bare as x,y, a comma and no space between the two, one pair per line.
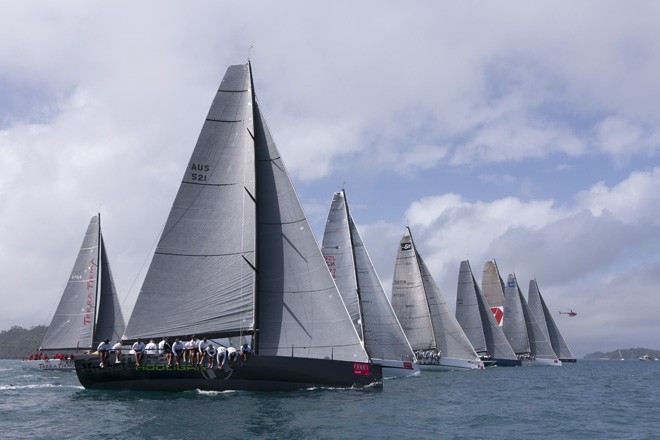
570,313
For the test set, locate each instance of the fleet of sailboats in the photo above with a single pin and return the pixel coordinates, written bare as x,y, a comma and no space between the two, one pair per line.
479,323
238,263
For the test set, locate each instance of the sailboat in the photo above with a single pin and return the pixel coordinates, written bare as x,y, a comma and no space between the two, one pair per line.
492,287
547,323
88,311
237,259
363,294
428,322
479,324
523,330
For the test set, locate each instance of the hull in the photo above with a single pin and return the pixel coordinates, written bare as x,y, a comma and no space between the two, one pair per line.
260,373
392,369
451,364
507,362
542,362
50,364
568,361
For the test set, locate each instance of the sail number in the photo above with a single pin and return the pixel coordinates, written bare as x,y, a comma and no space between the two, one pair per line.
198,176
330,261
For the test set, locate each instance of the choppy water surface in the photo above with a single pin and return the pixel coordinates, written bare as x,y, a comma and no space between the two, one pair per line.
589,400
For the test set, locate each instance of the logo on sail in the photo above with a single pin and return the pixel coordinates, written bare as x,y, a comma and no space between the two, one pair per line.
406,246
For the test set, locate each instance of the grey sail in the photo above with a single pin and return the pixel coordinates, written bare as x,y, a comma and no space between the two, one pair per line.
450,337
467,310
538,340
474,315
547,323
237,256
492,287
300,308
356,276
110,322
409,299
514,325
87,312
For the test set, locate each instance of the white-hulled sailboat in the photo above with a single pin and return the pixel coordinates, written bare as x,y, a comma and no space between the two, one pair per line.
523,330
547,323
428,322
238,259
358,283
88,312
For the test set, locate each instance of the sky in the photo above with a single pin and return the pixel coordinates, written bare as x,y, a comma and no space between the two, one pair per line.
524,132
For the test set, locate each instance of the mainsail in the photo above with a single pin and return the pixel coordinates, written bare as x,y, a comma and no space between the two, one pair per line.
359,285
89,310
476,319
547,323
492,287
514,325
418,302
237,256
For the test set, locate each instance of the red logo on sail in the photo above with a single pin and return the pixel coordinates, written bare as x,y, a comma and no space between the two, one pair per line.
361,369
498,313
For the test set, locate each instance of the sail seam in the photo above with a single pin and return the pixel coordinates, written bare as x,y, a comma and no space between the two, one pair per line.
201,255
224,120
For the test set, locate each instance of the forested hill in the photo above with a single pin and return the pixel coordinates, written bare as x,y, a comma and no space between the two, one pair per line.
626,353
18,342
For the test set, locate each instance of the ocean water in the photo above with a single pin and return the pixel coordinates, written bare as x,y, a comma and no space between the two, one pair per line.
589,400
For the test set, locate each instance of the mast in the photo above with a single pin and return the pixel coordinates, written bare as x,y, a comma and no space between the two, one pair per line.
255,312
98,282
421,277
357,279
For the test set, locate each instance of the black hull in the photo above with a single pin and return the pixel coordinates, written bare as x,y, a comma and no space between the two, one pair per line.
260,373
507,362
568,361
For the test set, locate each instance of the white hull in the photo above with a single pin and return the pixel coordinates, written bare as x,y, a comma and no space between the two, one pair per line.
450,364
392,369
50,364
542,363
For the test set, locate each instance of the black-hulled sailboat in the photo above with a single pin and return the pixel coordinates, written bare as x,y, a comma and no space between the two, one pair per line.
88,311
238,259
363,293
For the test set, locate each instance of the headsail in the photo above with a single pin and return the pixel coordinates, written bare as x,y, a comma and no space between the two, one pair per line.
360,287
547,323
